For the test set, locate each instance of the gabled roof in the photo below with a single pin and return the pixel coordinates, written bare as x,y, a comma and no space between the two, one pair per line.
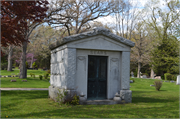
94,32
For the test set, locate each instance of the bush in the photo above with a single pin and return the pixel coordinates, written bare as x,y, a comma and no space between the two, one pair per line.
133,80
4,66
46,75
33,75
75,100
167,76
48,71
34,65
27,65
40,77
158,85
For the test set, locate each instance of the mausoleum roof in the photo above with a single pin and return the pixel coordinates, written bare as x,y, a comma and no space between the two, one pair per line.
94,32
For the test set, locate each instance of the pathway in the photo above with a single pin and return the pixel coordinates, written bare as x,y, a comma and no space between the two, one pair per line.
23,88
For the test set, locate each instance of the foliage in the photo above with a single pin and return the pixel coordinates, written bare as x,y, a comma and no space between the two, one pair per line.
46,75
15,17
48,71
40,77
4,66
167,76
34,65
27,66
75,100
31,74
158,85
60,96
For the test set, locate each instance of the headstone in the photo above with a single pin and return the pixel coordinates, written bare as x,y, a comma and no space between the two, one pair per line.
9,75
131,81
24,80
16,75
13,80
4,76
172,81
132,74
144,76
178,80
141,76
158,77
152,85
166,81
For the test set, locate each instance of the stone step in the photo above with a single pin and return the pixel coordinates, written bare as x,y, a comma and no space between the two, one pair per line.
101,102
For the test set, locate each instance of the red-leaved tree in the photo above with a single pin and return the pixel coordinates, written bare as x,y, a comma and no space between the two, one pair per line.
18,19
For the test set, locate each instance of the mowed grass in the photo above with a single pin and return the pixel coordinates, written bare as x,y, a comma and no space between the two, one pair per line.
16,71
31,83
146,103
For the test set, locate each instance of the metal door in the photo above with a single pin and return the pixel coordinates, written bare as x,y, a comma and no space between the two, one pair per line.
97,77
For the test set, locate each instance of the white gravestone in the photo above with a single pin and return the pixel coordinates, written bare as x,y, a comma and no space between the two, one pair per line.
178,80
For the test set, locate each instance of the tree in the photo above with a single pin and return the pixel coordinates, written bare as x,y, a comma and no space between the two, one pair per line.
73,15
163,20
27,15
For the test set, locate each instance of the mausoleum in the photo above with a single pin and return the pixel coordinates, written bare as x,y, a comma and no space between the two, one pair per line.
94,64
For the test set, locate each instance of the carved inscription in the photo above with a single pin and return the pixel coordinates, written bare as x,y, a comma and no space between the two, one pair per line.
98,52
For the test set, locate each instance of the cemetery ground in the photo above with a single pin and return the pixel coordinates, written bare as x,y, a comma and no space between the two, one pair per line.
146,103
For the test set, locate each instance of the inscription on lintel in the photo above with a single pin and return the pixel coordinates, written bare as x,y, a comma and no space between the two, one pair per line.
98,52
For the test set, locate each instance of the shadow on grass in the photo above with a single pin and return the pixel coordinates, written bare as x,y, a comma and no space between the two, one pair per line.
100,111
25,94
142,96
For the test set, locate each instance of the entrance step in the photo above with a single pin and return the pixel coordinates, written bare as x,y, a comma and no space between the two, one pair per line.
101,102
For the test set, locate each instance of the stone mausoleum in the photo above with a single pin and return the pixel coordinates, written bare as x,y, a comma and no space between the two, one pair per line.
94,64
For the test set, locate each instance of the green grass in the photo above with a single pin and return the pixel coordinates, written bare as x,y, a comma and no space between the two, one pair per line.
31,83
16,71
146,103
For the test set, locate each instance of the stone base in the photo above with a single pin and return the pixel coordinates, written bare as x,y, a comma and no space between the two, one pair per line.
126,95
100,102
82,99
53,93
117,98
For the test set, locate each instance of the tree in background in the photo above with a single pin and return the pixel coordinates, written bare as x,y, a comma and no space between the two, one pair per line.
74,16
163,21
26,15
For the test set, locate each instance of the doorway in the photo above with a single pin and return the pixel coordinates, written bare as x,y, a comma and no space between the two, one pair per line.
97,77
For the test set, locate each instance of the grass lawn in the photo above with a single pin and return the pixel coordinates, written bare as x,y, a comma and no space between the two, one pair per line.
16,71
146,103
31,83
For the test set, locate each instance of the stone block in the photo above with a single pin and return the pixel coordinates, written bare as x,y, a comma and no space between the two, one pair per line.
82,99
9,75
126,95
152,85
13,80
144,76
54,91
117,98
131,81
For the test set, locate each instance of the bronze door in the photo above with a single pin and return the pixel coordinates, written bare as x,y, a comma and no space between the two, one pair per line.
97,77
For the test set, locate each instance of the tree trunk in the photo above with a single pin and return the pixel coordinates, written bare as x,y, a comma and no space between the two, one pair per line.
31,62
152,73
139,69
9,68
23,70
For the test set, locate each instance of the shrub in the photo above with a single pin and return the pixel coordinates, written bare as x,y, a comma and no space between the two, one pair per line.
4,66
133,80
34,65
158,85
75,100
46,75
48,71
60,96
167,77
40,77
33,75
27,65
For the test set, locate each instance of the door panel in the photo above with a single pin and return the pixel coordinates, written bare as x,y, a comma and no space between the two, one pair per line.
97,77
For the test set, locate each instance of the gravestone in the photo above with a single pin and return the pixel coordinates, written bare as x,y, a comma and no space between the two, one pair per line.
152,85
132,74
158,77
96,63
178,80
144,76
24,80
13,80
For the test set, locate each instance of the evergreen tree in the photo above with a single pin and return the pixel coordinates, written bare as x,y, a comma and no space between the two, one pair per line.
165,56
